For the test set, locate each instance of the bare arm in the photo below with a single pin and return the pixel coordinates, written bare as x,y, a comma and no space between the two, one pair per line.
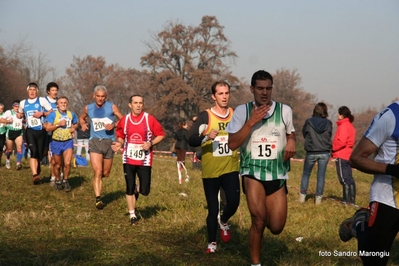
82,118
290,148
361,161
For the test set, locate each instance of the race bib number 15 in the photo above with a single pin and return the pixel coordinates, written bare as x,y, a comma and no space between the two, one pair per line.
264,148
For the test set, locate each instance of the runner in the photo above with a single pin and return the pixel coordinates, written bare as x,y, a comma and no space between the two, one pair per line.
219,163
264,131
138,132
14,135
33,110
62,123
102,114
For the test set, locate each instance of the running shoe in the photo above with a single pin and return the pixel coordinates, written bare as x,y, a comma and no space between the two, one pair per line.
302,198
347,229
211,248
36,180
8,164
19,166
134,219
58,185
318,199
225,232
67,187
100,205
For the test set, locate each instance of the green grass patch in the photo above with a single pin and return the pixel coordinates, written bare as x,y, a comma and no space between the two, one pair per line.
42,226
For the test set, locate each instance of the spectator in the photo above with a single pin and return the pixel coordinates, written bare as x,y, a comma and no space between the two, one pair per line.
317,133
82,141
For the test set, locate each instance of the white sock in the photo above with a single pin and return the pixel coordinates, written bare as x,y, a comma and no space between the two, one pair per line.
132,214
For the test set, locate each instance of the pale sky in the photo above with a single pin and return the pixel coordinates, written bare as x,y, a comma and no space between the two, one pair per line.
346,51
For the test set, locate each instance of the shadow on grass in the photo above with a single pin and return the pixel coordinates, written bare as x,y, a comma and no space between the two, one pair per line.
64,251
150,211
113,196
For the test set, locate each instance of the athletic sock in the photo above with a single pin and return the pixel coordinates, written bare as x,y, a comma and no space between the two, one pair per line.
98,198
8,154
132,214
19,156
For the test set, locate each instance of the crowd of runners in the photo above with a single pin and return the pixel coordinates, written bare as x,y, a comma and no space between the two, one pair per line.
255,142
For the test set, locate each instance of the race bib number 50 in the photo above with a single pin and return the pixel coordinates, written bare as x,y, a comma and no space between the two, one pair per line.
220,146
264,148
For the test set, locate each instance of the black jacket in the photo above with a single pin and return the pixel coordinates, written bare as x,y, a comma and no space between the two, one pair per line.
317,132
181,137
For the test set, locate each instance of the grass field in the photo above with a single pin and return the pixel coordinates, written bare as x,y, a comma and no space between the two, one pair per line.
42,226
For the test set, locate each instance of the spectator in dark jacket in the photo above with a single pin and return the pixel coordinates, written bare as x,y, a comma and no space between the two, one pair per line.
317,132
181,145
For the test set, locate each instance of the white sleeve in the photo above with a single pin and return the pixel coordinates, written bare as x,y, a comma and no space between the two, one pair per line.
46,104
381,128
287,117
7,114
21,106
238,120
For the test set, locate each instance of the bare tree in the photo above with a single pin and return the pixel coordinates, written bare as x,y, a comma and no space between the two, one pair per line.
186,60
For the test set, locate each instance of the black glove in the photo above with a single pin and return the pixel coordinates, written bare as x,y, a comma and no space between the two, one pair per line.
393,170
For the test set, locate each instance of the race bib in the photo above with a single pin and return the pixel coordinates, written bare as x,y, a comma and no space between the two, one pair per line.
264,148
220,146
68,122
99,123
33,121
17,124
135,151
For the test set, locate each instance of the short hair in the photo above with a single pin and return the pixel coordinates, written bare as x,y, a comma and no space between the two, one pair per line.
32,84
100,88
15,102
181,125
219,83
260,75
51,85
320,110
135,95
346,113
62,97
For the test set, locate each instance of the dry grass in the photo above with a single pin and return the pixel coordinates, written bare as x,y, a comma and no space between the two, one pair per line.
41,226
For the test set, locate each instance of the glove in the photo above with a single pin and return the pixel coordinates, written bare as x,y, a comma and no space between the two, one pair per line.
393,170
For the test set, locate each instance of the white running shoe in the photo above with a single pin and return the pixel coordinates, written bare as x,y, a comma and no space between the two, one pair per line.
8,164
211,248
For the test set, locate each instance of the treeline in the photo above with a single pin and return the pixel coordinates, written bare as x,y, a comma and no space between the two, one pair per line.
180,65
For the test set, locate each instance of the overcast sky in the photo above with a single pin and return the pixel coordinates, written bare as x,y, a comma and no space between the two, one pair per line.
346,51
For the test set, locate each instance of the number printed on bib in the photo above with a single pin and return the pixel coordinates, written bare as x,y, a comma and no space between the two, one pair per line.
220,146
98,124
33,121
17,125
135,151
264,148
